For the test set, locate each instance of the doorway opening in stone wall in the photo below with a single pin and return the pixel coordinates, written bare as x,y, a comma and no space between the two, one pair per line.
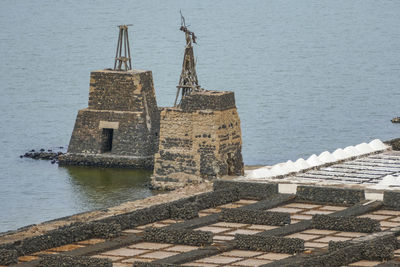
230,165
106,140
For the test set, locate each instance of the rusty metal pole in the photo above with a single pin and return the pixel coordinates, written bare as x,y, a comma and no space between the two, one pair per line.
188,81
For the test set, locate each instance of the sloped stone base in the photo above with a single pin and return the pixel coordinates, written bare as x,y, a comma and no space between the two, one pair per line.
107,160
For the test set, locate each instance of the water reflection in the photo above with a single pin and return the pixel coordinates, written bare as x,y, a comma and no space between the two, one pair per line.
96,188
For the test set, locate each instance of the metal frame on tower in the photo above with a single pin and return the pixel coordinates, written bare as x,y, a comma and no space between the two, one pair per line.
123,45
188,80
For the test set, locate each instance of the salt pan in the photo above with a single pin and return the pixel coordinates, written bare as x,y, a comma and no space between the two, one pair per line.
260,173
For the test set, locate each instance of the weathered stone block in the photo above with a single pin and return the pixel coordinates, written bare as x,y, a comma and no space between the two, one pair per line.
391,199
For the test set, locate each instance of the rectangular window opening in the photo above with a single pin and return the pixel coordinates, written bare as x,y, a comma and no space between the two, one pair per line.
106,140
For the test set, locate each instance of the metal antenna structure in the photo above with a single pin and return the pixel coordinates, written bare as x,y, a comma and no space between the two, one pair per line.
188,81
123,54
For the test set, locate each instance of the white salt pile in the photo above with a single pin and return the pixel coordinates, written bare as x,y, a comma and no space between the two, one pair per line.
326,157
364,148
301,164
339,154
277,170
352,151
313,161
291,167
377,145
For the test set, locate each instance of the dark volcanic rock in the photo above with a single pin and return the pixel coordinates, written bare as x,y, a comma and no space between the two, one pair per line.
49,155
394,143
330,194
347,224
183,237
395,120
392,199
246,189
216,198
77,261
154,264
64,235
269,243
255,217
186,212
8,257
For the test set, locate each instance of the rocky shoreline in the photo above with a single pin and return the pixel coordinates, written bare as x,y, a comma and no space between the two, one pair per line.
45,154
395,120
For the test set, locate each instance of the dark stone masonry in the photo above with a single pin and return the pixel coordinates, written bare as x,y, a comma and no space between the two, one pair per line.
120,127
208,100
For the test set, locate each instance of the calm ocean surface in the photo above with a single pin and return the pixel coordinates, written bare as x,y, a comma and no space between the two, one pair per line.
308,76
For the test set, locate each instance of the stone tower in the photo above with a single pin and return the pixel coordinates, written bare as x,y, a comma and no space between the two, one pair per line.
120,127
199,140
200,137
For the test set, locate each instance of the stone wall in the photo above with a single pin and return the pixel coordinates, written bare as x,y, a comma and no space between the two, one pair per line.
347,224
130,134
122,120
58,260
197,144
106,161
275,244
120,90
178,236
208,100
64,235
